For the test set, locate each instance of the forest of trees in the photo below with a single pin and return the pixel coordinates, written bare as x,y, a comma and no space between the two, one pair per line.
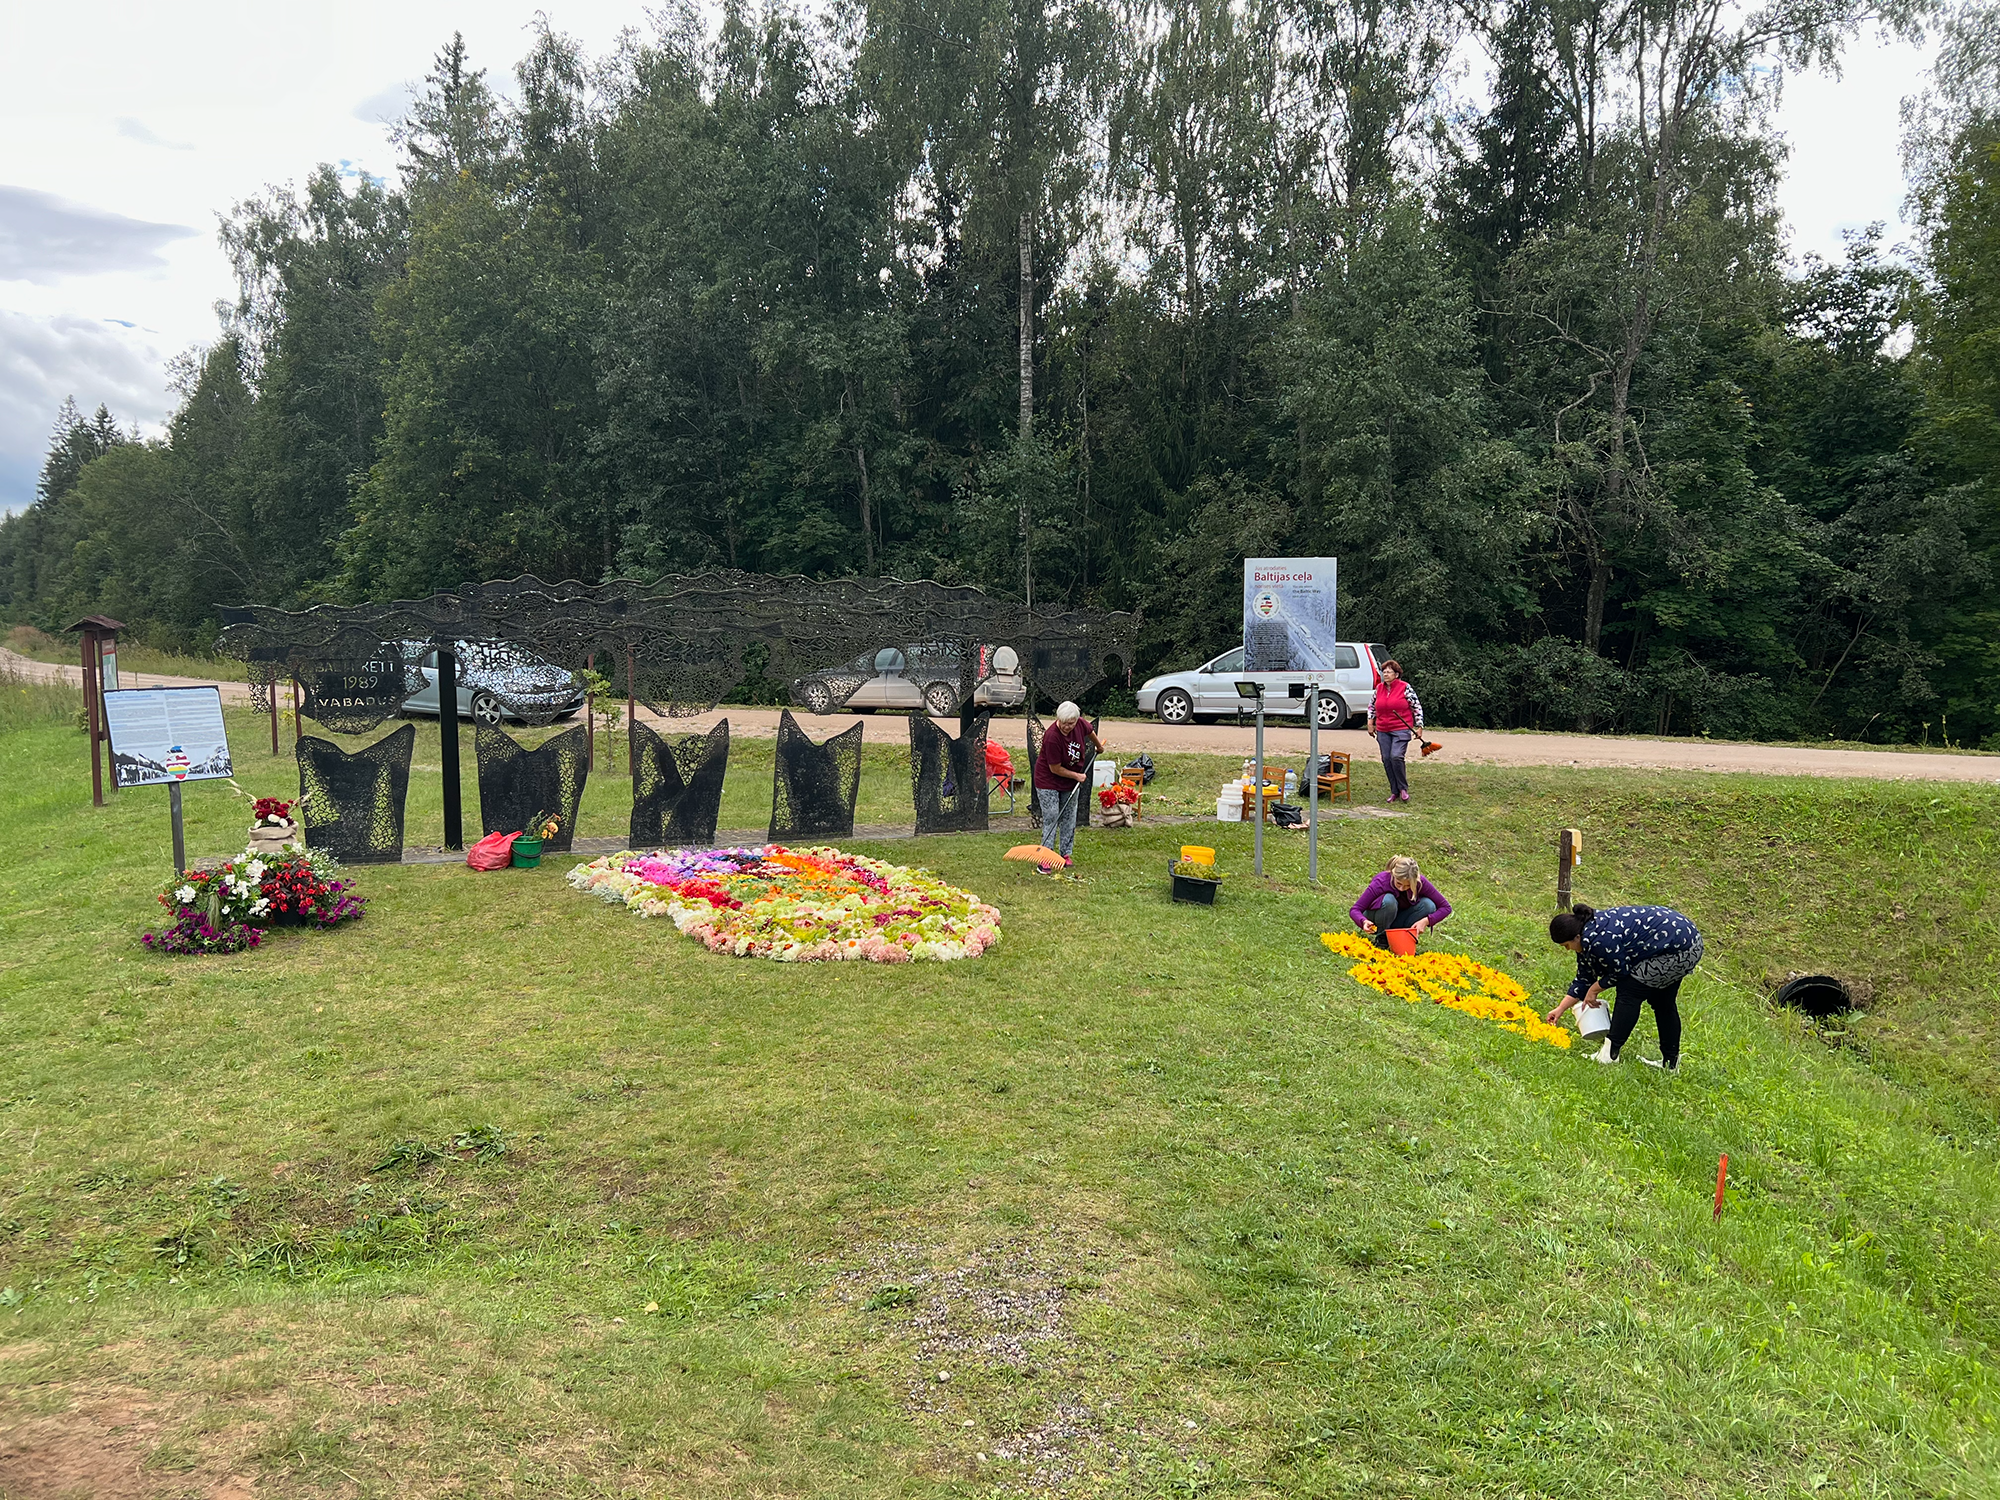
1083,300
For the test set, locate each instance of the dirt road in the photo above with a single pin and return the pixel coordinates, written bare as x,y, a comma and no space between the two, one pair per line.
1127,737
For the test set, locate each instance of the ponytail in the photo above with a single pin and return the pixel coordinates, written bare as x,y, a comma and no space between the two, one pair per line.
1565,926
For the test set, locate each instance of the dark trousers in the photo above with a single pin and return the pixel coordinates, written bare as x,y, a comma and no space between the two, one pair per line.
1395,745
1392,911
1666,1015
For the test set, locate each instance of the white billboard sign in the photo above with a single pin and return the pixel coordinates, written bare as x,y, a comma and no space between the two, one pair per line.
1288,614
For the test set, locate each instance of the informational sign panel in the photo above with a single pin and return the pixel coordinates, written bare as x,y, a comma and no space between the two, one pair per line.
163,736
1288,614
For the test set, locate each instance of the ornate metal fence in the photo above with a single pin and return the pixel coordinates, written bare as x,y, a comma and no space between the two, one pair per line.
677,647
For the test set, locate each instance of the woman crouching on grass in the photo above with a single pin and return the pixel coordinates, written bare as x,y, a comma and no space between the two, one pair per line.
1399,897
1642,952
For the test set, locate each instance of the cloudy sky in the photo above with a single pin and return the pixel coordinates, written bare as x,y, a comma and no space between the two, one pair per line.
126,129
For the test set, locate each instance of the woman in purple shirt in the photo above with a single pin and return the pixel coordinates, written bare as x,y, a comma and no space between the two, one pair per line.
1399,897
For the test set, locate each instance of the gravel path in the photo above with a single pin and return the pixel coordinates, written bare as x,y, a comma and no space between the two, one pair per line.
1127,737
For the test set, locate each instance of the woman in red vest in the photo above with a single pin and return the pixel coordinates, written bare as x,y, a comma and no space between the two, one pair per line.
1393,718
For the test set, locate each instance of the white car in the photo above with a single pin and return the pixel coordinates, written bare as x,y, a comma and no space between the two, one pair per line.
1209,691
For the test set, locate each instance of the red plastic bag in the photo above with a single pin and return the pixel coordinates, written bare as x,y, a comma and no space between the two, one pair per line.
494,852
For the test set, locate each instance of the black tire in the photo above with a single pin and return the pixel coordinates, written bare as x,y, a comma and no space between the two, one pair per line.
941,698
815,698
1333,712
1174,706
485,709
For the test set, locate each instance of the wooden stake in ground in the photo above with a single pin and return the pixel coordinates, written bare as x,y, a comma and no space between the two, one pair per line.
1569,853
1721,1181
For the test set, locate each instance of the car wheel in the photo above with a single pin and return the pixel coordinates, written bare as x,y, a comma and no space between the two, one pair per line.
941,699
816,698
485,709
1175,707
1332,711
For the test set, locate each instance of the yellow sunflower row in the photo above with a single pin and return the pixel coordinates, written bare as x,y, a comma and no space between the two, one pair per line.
1448,979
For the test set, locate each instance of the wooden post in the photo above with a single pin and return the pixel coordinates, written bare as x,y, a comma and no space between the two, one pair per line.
272,698
298,714
1569,854
180,837
93,705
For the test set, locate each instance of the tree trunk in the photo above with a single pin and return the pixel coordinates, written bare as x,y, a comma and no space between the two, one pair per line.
867,520
1027,301
1027,308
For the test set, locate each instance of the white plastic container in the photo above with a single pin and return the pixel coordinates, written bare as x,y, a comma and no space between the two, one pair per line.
1229,808
1104,773
1593,1020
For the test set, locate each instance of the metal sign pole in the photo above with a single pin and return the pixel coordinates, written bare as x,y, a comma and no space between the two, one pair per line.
447,686
1312,773
180,838
1257,798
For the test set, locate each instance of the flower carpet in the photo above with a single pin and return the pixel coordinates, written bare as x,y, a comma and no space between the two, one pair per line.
1447,979
797,905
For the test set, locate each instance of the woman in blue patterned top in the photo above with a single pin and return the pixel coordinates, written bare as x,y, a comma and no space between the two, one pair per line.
1642,952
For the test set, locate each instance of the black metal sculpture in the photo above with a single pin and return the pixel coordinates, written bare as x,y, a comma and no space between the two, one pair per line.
948,776
678,646
516,782
353,801
352,697
814,786
677,787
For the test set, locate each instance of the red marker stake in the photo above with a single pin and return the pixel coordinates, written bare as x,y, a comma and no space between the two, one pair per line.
1721,1181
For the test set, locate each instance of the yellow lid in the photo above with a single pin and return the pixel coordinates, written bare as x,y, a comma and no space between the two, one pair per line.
1197,853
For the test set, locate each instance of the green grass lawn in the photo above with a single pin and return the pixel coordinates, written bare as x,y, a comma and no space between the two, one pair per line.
1149,1200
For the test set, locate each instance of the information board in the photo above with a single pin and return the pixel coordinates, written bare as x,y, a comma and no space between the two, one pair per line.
166,735
1288,614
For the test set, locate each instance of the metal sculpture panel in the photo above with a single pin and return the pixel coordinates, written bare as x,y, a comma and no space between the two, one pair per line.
352,697
814,786
677,787
948,776
353,801
516,782
680,644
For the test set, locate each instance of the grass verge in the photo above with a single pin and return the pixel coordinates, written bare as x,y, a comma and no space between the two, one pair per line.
500,1188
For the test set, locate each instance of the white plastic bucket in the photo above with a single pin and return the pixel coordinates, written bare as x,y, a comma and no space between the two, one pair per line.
1229,808
1593,1020
1104,773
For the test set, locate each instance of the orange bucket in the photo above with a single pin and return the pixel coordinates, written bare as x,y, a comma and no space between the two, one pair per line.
1401,940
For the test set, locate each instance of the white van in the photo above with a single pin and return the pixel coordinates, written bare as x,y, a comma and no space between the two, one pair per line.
1209,691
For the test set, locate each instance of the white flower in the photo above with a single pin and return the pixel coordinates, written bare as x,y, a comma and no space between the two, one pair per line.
185,895
255,870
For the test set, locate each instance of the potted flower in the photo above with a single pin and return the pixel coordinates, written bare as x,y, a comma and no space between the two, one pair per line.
528,847
1194,880
271,827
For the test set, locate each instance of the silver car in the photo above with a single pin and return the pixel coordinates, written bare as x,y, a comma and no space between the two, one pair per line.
1209,690
926,678
488,695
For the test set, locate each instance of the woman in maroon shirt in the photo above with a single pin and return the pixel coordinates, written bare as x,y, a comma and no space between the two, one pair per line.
1061,769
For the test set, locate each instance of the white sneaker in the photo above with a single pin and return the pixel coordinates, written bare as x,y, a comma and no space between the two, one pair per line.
1664,1066
1603,1054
